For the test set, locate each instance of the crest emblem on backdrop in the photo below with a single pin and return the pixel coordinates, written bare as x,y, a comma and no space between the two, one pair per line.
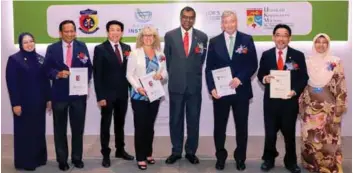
88,21
254,17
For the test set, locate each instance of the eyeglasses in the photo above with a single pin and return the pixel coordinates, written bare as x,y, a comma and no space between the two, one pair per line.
148,35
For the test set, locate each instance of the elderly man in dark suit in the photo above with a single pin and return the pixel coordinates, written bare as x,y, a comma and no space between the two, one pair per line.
236,50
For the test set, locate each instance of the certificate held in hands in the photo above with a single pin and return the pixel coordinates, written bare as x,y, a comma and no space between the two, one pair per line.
222,78
280,85
154,88
78,81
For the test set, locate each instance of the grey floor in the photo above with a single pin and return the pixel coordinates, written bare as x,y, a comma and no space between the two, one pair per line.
92,157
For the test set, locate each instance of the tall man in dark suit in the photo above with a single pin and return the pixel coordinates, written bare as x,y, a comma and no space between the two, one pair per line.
60,57
236,50
185,51
281,114
111,87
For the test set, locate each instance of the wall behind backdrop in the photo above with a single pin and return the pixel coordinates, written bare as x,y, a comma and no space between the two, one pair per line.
255,18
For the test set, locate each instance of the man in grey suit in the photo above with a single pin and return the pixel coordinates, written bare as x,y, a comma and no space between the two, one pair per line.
185,51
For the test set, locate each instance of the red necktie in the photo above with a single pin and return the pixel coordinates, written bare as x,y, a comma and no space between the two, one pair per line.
117,52
69,55
280,61
186,43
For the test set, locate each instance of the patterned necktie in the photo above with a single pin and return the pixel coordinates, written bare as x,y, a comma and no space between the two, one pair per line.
231,46
117,52
69,55
186,43
280,61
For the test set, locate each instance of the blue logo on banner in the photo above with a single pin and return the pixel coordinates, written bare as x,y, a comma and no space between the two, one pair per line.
143,16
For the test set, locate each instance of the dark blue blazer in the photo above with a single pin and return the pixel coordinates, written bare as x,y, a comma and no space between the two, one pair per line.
243,65
54,63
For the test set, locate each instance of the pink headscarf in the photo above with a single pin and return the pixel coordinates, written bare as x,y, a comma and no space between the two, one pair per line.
317,65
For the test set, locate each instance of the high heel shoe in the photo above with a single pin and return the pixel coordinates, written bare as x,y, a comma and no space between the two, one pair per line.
151,161
142,167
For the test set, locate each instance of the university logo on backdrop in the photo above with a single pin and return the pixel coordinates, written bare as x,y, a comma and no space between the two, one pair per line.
254,17
88,21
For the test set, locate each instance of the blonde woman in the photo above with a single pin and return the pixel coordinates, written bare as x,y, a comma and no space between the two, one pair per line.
146,58
321,107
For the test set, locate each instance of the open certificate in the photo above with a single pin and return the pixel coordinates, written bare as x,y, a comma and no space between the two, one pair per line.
154,88
78,81
222,78
280,85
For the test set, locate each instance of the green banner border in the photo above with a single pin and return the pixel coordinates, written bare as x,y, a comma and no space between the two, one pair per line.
328,15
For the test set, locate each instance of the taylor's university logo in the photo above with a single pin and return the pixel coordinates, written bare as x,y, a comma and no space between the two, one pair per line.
143,16
254,17
88,21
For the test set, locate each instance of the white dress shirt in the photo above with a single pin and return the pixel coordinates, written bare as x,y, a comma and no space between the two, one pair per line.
190,36
119,47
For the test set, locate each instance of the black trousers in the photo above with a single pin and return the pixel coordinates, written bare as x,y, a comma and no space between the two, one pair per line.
221,108
280,115
77,114
145,114
117,108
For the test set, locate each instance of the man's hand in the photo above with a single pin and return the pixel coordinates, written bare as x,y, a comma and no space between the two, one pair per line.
290,95
214,94
234,83
17,110
102,103
268,78
63,74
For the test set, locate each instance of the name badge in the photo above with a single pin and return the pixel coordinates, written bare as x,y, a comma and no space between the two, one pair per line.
317,90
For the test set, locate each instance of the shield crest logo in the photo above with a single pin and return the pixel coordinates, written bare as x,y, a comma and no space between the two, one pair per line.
88,21
254,17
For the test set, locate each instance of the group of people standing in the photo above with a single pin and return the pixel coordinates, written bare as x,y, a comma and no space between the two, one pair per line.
318,94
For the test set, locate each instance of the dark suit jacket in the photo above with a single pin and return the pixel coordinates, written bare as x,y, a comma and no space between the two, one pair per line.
242,65
299,77
109,76
184,72
54,63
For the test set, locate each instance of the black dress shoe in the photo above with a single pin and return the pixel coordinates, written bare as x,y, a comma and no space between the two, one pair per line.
172,159
267,165
64,166
240,165
294,168
124,155
192,158
78,164
106,162
220,164
29,169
